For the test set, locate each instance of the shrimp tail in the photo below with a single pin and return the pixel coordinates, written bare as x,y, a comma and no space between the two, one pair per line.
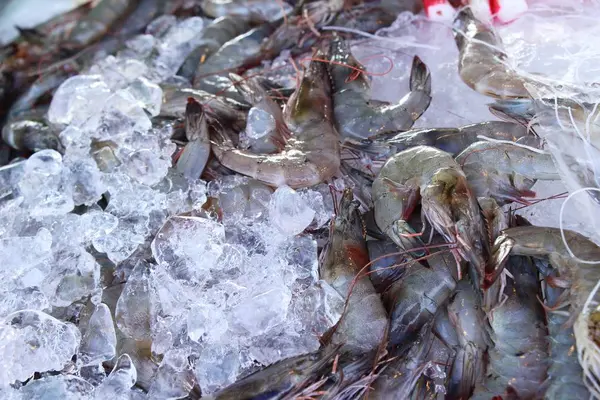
405,236
500,252
420,78
520,111
193,159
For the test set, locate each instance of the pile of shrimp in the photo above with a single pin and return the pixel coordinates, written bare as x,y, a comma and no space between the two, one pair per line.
447,292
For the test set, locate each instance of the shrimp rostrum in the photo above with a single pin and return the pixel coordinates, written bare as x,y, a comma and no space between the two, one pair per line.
311,155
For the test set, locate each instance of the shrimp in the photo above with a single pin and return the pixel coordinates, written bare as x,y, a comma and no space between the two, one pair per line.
311,155
230,57
43,85
467,317
279,379
226,111
195,154
447,201
518,361
98,22
505,172
266,10
254,94
214,36
362,327
413,300
30,131
451,140
580,278
400,375
355,117
482,62
384,256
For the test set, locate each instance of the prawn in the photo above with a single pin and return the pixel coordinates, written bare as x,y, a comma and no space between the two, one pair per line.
311,155
482,62
447,201
195,154
355,116
362,327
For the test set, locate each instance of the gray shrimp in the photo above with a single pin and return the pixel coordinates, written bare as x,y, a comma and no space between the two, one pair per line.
355,116
195,154
30,131
504,171
362,327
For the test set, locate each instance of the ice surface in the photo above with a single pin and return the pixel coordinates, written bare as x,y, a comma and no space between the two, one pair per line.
119,72
147,94
99,341
260,123
289,212
134,308
206,323
118,383
174,378
59,387
32,341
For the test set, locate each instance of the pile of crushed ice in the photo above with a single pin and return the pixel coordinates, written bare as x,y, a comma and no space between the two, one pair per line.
184,300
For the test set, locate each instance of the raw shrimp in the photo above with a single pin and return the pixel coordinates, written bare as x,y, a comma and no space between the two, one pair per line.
362,327
225,110
447,201
413,300
254,94
482,62
466,315
580,277
195,154
214,36
518,360
382,270
43,85
504,171
266,10
355,117
451,140
311,155
277,380
211,75
30,131
98,22
400,375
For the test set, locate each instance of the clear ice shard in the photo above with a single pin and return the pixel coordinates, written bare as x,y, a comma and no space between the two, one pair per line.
175,377
45,185
23,260
74,274
134,308
190,246
260,123
77,99
289,211
147,94
117,385
100,340
58,387
217,367
119,72
206,323
32,341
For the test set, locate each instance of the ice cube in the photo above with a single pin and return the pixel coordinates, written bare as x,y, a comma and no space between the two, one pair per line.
144,166
260,123
45,184
161,25
134,308
139,47
121,116
263,311
316,201
19,256
190,246
59,387
97,224
74,274
86,180
147,94
14,299
118,383
289,212
300,253
100,340
206,323
174,378
118,72
76,99
217,367
32,341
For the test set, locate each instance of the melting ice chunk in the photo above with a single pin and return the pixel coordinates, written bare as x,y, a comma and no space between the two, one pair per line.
134,308
100,340
217,367
190,246
174,378
289,211
260,123
118,383
206,323
32,341
59,387
77,99
147,94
